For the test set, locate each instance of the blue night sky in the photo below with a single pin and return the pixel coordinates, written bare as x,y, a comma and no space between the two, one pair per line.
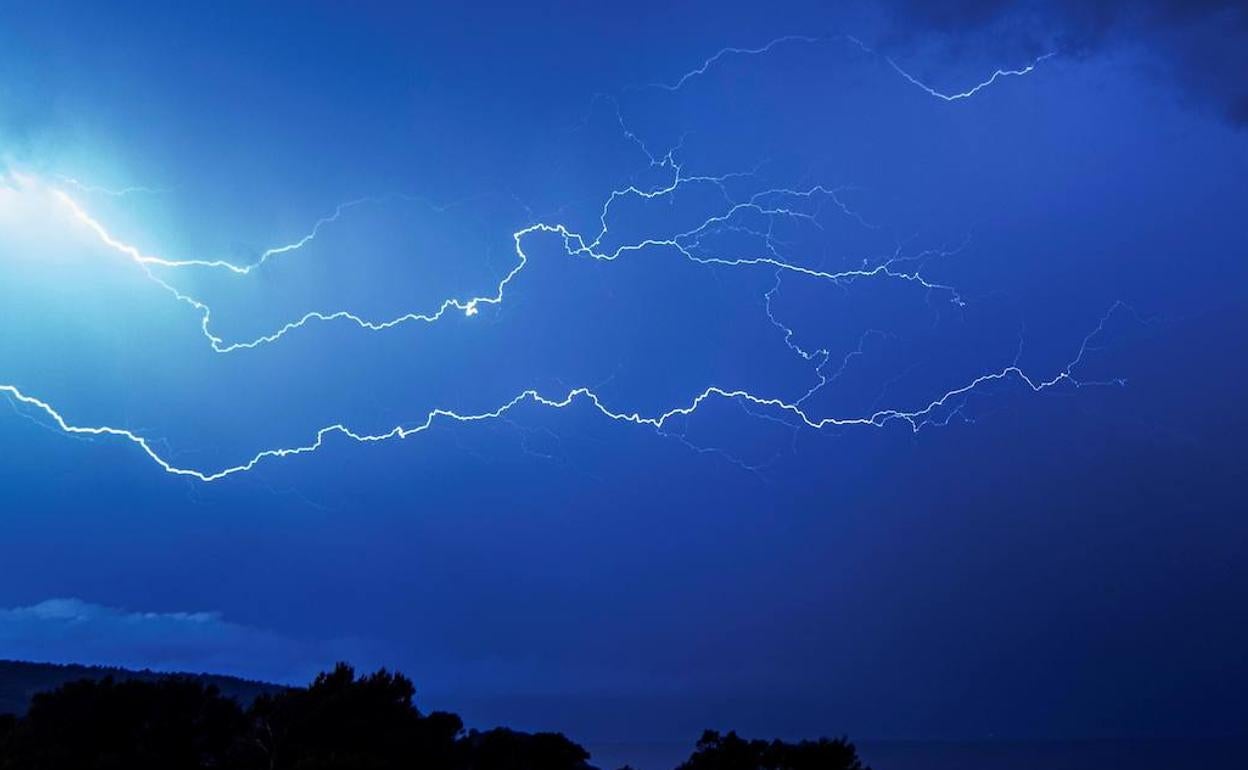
806,387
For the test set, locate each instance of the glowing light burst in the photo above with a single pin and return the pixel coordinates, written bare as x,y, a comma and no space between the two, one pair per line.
575,244
771,205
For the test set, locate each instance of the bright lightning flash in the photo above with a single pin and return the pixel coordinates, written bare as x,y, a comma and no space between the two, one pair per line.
769,205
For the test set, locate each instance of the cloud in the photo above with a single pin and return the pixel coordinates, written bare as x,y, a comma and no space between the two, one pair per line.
75,631
1202,45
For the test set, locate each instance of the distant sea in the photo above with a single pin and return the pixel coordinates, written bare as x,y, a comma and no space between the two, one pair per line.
1178,754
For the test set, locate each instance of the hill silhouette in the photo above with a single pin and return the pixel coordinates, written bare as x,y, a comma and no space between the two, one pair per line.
22,680
113,719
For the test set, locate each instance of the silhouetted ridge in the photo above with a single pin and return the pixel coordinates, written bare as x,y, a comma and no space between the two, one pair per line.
21,680
145,721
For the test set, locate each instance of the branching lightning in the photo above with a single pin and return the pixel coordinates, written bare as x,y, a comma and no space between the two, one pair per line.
711,61
770,205
968,93
721,53
112,192
915,418
685,244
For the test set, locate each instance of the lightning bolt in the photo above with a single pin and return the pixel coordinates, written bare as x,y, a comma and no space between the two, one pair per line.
80,214
770,204
686,244
576,244
711,61
714,58
112,192
968,93
916,418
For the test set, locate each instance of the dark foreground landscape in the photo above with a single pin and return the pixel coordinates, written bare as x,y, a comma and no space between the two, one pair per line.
101,719
1116,754
66,717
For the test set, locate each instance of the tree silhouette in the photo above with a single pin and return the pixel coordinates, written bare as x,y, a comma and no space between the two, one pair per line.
339,722
503,749
173,724
7,724
344,722
731,752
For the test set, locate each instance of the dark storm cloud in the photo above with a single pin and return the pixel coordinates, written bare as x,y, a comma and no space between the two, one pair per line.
1202,45
75,631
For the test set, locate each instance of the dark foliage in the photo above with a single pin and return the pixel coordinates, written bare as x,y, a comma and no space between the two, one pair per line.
339,722
503,749
344,722
173,724
731,752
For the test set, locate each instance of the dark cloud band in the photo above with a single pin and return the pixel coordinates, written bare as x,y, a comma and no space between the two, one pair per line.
1201,44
